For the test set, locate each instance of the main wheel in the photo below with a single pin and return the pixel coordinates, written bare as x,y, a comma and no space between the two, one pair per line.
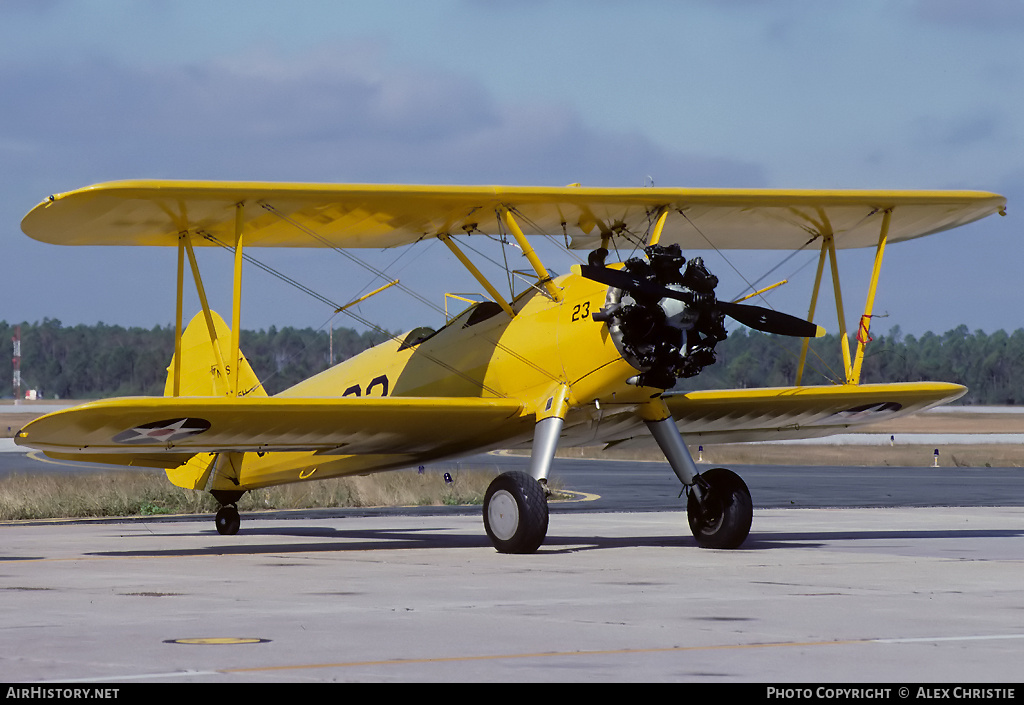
722,519
228,521
516,513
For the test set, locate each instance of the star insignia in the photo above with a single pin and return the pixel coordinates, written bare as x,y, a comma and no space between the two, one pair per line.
162,432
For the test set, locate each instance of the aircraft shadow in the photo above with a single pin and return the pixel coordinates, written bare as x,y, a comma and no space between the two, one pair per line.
327,540
769,540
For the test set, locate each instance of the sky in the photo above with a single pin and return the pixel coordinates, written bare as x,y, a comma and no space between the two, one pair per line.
914,94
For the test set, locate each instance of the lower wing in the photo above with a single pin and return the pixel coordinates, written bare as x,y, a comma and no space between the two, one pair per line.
150,428
781,413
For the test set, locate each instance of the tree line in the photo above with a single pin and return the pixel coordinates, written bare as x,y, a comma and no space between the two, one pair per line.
91,362
87,362
991,366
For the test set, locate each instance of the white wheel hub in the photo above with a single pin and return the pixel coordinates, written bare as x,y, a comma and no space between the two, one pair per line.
503,515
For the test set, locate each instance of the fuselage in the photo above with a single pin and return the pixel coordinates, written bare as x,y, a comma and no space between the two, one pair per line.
483,352
548,345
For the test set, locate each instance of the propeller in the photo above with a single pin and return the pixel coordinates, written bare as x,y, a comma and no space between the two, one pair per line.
665,319
757,317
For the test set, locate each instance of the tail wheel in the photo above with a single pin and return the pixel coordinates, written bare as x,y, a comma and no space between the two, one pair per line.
516,513
228,521
722,518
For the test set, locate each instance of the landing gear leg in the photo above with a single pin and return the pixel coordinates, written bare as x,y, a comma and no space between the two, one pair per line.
545,443
516,503
718,509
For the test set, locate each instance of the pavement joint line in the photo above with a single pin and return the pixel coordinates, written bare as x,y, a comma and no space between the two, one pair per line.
604,652
550,654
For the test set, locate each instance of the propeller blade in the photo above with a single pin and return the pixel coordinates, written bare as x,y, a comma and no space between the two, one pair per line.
612,278
621,280
756,317
768,321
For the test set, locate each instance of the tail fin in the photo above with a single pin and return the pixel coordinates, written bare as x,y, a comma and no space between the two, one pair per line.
201,376
201,365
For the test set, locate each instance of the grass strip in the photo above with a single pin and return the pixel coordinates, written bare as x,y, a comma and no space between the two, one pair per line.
132,493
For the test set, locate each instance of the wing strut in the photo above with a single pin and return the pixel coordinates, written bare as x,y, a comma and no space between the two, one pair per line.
178,307
477,274
236,299
851,367
869,305
828,248
201,291
538,266
810,313
659,226
229,370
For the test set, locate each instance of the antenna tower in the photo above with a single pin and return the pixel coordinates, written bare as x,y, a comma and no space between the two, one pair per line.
17,363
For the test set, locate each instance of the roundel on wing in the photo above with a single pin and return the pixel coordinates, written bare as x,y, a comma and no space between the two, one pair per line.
166,431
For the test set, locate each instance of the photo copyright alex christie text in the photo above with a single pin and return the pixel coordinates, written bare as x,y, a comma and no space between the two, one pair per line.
862,693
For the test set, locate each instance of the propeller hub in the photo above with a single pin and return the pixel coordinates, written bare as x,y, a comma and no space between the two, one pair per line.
664,320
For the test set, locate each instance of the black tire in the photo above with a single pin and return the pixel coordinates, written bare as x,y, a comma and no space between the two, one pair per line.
723,519
228,521
516,513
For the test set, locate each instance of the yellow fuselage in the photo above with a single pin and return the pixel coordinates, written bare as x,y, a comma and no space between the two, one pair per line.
549,348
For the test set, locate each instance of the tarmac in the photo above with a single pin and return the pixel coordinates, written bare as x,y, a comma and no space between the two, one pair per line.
859,596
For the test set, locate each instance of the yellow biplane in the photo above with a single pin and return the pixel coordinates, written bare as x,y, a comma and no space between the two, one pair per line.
587,358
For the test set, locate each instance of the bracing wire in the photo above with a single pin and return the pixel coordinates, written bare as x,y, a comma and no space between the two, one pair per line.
344,252
497,343
323,299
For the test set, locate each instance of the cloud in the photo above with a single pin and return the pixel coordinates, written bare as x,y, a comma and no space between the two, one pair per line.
332,114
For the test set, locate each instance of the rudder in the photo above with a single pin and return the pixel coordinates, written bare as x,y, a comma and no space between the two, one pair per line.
201,376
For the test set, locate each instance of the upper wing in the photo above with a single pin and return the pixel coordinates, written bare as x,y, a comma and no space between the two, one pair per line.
182,426
352,215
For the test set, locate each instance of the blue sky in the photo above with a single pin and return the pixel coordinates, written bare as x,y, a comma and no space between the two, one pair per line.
733,93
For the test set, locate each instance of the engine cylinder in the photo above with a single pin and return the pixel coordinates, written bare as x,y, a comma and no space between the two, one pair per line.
665,337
